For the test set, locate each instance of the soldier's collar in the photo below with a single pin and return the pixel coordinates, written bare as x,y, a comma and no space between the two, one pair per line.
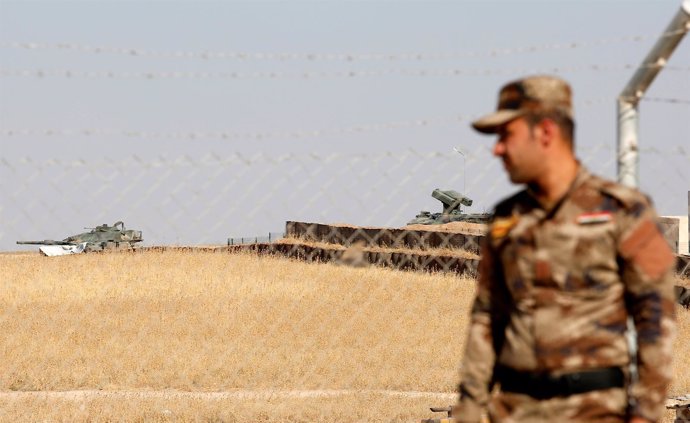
580,177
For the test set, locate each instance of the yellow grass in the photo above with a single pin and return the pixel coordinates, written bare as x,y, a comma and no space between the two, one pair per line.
222,322
180,336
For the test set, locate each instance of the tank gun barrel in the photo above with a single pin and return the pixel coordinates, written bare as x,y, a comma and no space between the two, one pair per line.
45,242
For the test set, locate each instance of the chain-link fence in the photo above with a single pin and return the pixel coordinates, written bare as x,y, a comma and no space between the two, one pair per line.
206,200
197,334
194,325
216,334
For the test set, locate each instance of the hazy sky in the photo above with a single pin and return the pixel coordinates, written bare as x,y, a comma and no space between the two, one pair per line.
196,121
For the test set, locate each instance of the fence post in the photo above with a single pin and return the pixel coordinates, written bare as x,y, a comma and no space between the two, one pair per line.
628,151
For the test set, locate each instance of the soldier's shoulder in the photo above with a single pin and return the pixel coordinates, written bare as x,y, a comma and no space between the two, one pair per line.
623,197
509,205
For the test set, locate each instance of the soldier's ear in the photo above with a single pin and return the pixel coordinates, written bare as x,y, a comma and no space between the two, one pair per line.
548,131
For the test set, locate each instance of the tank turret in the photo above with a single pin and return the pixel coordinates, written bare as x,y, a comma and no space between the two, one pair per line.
452,202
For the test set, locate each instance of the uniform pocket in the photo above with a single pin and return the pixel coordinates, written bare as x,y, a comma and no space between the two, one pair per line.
583,256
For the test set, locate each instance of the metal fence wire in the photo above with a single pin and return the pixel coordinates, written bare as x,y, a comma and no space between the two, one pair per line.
206,320
229,336
191,201
233,337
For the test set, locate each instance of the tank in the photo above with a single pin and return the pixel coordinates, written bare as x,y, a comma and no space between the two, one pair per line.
102,237
452,202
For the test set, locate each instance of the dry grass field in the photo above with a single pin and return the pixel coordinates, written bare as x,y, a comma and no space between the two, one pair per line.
180,336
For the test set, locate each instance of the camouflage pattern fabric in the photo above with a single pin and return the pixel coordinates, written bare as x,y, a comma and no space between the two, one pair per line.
556,286
606,406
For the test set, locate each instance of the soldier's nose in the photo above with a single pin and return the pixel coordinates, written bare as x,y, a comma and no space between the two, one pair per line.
499,149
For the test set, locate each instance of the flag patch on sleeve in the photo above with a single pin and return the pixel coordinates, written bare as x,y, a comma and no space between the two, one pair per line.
501,227
594,217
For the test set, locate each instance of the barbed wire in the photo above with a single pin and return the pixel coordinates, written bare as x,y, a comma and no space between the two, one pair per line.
253,189
259,135
666,100
217,160
256,135
67,73
235,55
212,159
303,133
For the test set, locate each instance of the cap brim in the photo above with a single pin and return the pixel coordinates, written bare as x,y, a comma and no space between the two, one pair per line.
490,124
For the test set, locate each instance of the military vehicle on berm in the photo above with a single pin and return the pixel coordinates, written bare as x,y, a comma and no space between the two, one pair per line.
102,237
452,211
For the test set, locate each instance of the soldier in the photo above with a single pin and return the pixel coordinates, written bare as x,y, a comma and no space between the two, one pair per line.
565,262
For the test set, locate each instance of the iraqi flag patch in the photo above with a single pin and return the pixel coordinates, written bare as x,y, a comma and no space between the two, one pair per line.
594,217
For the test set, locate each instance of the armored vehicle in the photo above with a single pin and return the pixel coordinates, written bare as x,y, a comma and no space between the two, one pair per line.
452,212
102,237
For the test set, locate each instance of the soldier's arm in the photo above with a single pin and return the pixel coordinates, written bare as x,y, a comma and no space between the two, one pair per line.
485,334
647,266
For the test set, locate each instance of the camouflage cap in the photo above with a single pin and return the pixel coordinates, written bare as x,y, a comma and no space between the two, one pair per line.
530,94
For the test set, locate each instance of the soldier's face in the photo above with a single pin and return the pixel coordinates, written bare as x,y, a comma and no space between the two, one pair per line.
518,147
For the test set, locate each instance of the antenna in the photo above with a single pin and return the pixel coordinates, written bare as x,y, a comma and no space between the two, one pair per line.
462,153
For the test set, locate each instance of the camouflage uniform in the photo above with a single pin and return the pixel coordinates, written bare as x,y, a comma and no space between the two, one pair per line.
556,286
